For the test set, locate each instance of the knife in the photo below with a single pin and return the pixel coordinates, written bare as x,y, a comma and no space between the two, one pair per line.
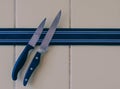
23,56
43,48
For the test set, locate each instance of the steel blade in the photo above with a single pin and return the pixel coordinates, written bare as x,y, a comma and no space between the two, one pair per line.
37,34
50,33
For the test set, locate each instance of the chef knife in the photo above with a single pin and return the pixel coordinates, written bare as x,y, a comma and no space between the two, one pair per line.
43,48
23,56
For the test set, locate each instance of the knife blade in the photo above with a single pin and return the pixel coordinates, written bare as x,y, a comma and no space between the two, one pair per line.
43,47
23,56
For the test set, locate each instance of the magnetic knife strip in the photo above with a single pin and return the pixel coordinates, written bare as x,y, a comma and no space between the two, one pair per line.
63,36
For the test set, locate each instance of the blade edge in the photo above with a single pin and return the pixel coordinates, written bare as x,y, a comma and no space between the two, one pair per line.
37,34
45,43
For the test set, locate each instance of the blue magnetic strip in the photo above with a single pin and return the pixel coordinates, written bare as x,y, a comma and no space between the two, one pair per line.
63,36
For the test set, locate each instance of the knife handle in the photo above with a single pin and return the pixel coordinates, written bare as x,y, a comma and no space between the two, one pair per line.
35,62
20,61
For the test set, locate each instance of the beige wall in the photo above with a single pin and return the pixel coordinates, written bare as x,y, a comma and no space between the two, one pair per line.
63,67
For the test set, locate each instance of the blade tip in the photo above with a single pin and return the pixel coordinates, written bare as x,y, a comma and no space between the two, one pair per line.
44,20
60,12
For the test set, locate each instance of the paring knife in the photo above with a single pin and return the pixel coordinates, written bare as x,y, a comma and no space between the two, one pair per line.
43,48
23,56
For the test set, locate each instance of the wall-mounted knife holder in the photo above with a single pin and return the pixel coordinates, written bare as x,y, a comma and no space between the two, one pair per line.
63,36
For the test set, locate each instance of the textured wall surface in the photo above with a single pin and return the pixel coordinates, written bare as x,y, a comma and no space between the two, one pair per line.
63,67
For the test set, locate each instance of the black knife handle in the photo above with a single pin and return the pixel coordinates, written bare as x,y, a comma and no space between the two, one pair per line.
20,61
35,62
